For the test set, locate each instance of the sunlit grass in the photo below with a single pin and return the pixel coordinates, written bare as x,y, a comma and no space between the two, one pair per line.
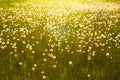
61,41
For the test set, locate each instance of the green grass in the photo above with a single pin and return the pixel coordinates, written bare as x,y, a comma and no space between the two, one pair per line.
60,41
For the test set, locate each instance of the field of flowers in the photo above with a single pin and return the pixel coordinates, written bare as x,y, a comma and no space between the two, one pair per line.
60,41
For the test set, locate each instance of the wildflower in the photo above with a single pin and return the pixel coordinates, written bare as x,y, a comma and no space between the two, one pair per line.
79,51
111,57
51,50
15,55
90,47
32,37
72,52
37,42
88,75
21,29
22,51
35,65
3,43
42,72
54,57
52,46
54,66
44,59
107,54
46,50
70,62
20,63
89,58
68,50
44,77
43,54
33,68
33,52
23,42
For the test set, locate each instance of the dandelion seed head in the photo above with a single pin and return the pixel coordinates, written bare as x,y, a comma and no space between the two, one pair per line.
44,77
20,63
107,54
70,62
33,68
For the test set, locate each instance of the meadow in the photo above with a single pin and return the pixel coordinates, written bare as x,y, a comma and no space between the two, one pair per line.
60,41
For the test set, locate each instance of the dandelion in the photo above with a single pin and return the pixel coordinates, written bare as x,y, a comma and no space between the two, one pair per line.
109,47
68,50
11,53
54,66
107,54
21,29
90,47
33,52
54,57
36,42
72,52
2,47
44,59
23,42
46,50
42,72
15,55
33,68
70,62
18,39
20,63
3,43
79,51
71,42
35,65
89,58
7,42
44,77
93,53
111,57
32,37
88,75
79,46
22,51
84,51
51,50
52,46
43,54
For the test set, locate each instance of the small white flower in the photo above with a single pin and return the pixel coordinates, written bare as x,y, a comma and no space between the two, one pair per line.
32,37
54,66
42,72
46,50
70,62
44,59
33,68
51,50
54,57
35,65
44,77
52,46
88,75
89,58
20,63
107,54
33,52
